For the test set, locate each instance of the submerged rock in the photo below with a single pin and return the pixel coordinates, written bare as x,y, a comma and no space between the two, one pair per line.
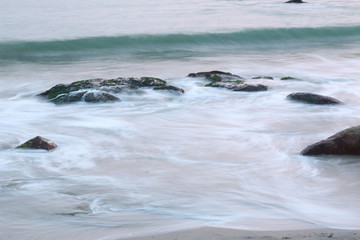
38,143
216,76
98,90
313,98
170,88
344,142
295,1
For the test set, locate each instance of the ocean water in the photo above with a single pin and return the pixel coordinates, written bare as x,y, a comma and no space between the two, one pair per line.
157,162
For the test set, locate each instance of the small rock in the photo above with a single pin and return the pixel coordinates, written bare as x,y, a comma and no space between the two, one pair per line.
344,142
295,1
313,98
289,78
38,143
216,76
170,88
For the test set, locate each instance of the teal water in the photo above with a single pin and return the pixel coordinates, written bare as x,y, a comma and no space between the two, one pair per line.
157,162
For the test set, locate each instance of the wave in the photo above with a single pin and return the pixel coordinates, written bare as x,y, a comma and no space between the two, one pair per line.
201,42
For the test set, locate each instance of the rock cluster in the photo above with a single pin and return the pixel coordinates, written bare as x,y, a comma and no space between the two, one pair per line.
229,81
105,90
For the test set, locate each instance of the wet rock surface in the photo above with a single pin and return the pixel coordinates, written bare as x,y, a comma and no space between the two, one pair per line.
38,143
217,76
170,88
312,98
346,142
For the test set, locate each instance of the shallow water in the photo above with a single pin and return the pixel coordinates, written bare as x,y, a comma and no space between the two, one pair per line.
159,162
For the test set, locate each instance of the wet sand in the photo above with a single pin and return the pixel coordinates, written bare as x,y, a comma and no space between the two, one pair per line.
232,234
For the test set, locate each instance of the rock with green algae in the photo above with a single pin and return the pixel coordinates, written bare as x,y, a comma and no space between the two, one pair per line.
346,142
98,89
38,143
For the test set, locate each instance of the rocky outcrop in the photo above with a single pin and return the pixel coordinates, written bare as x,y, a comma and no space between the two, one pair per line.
216,76
98,90
170,88
295,1
38,143
344,142
313,98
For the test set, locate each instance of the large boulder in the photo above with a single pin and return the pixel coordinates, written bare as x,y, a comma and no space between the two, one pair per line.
344,142
98,90
38,143
313,98
215,76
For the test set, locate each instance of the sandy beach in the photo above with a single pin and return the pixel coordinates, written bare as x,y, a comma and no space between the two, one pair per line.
232,234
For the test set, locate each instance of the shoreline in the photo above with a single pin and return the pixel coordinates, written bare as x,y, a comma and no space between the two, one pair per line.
211,233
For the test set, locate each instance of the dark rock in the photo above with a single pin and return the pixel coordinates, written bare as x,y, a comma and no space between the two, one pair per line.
38,143
313,98
251,88
217,76
170,88
84,90
344,142
289,78
263,77
295,1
